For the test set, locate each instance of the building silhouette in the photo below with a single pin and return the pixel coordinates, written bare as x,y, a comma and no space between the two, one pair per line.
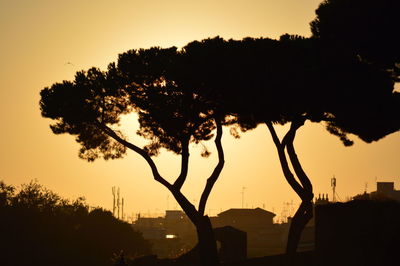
366,230
386,190
262,236
359,232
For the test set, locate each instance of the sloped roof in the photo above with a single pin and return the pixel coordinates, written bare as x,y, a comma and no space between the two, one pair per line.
228,230
240,212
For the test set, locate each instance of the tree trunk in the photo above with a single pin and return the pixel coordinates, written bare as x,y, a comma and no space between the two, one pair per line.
207,245
299,221
303,189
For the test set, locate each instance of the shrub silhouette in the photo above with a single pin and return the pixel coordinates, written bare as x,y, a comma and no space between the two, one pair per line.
38,227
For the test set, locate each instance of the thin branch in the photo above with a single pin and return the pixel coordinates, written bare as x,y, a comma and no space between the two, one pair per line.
290,135
136,149
273,134
184,165
217,170
284,163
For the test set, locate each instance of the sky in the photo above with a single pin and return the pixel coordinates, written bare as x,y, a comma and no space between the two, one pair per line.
46,41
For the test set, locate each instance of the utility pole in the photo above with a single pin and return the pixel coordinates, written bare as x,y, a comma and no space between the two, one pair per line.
113,193
333,185
118,202
122,212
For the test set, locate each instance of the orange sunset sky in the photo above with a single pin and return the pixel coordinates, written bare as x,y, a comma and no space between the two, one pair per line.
46,41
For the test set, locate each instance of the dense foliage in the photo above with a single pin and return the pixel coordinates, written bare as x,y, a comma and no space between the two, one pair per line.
294,78
366,29
38,227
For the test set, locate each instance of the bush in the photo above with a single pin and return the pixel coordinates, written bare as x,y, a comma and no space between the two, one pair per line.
38,227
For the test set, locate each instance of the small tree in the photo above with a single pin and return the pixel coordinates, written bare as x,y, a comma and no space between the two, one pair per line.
6,193
170,115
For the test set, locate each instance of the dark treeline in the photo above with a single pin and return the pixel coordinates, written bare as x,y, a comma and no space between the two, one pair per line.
38,227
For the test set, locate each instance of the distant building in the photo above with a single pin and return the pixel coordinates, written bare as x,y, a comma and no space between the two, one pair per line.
146,222
322,200
263,236
151,228
165,241
176,223
245,219
233,244
386,190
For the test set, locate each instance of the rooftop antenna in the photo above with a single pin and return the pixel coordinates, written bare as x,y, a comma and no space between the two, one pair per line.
113,193
118,202
333,185
243,188
122,212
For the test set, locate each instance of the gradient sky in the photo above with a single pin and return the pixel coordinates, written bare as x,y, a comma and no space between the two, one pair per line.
40,37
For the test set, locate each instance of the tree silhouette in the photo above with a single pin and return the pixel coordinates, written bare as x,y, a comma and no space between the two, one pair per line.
290,81
261,81
171,116
357,98
182,96
6,193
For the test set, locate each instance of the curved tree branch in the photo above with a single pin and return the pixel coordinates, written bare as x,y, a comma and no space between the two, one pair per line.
288,142
305,181
305,211
273,134
282,158
217,170
184,165
187,207
138,150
